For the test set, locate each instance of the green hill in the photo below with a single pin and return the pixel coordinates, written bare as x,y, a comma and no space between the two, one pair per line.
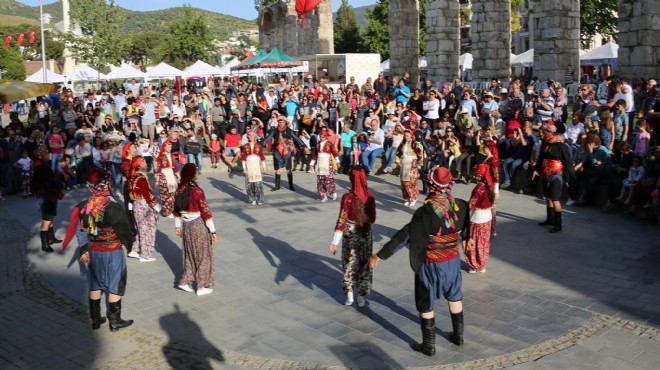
360,13
221,25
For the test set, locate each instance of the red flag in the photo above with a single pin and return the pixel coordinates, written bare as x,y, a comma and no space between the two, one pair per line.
31,35
305,6
19,39
8,40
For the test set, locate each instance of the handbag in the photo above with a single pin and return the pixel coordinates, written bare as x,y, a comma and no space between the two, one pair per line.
307,119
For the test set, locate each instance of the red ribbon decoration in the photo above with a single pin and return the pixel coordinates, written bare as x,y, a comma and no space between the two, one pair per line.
7,40
31,35
19,39
305,6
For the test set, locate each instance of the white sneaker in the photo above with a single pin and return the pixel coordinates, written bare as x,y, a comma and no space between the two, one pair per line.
254,202
472,271
361,301
186,288
482,271
170,216
349,299
151,259
412,203
134,254
334,196
406,203
204,291
570,202
324,199
260,203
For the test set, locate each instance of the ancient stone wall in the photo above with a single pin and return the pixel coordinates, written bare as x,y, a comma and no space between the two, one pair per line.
404,38
639,38
442,39
556,38
279,26
491,39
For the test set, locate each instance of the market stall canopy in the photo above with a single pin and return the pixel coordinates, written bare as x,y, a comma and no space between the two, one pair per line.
125,71
200,68
87,73
423,63
606,54
465,61
164,71
274,59
249,60
51,77
11,91
385,66
226,69
525,59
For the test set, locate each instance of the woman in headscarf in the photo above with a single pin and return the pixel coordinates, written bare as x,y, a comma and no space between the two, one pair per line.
167,173
254,166
482,200
145,210
326,159
356,216
409,154
194,224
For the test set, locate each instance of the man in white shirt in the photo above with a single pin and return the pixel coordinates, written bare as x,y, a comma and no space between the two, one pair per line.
375,148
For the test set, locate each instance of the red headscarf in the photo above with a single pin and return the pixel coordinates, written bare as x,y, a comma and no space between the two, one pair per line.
359,184
187,175
135,166
164,144
492,146
125,149
483,171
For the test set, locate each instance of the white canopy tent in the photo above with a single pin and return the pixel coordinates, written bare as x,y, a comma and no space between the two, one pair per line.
125,71
87,73
525,59
601,55
200,68
225,70
51,77
163,71
465,61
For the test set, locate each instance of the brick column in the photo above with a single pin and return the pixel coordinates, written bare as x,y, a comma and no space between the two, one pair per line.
442,39
491,39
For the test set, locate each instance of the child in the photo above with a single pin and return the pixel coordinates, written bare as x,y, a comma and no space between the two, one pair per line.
359,144
214,149
25,164
145,149
155,151
106,157
635,174
642,138
67,174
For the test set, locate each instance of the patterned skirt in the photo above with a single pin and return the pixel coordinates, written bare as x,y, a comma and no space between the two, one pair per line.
325,184
198,258
166,198
255,191
477,256
146,220
410,189
356,249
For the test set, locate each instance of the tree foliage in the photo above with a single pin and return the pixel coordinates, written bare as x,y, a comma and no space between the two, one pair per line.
141,47
598,17
12,64
54,48
189,39
260,4
100,41
376,35
347,34
515,15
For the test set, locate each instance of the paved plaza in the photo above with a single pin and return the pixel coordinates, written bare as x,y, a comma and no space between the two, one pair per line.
588,297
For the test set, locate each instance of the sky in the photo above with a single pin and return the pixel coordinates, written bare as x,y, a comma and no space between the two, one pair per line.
238,8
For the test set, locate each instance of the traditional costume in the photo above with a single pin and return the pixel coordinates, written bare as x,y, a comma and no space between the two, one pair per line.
481,201
254,164
326,159
410,155
102,228
283,149
145,208
167,181
556,169
48,190
433,235
356,240
194,222
493,162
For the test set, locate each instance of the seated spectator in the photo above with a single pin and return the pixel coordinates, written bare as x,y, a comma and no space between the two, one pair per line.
597,167
635,175
522,149
232,141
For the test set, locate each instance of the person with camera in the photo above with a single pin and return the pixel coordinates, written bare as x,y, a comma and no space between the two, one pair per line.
402,92
544,103
376,138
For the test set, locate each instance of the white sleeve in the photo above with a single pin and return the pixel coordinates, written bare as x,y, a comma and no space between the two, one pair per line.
177,222
336,238
210,225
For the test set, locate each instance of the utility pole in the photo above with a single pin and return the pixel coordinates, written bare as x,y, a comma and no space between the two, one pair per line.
43,41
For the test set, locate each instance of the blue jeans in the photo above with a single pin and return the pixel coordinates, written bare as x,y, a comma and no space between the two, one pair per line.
369,157
346,159
55,160
116,175
198,157
509,168
390,156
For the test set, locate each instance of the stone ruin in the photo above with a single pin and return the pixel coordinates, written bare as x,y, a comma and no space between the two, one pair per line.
279,26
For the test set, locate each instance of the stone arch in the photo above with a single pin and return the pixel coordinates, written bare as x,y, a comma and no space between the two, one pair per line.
266,21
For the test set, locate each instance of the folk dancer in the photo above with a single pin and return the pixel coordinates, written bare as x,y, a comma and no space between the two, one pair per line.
493,161
477,248
326,158
145,208
283,150
167,173
254,166
409,156
555,165
353,230
48,190
102,228
432,236
194,224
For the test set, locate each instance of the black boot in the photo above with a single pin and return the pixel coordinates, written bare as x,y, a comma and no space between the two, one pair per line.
45,245
51,235
427,346
557,226
114,317
95,313
289,176
549,218
457,324
277,183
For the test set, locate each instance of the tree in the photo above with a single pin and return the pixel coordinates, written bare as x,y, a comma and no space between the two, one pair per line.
347,34
12,64
598,17
375,37
54,48
99,41
189,38
260,4
515,15
141,46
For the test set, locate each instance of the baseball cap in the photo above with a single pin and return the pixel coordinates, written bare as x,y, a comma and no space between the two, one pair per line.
595,118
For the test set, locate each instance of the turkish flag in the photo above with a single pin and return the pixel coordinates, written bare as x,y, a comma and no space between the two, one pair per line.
31,35
8,40
19,39
305,6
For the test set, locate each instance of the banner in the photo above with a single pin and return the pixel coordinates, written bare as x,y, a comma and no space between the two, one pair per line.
19,39
8,40
31,35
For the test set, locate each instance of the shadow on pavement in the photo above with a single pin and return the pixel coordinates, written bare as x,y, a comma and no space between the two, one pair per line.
171,253
364,355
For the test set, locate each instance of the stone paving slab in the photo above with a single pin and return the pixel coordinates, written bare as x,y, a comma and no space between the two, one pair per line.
278,299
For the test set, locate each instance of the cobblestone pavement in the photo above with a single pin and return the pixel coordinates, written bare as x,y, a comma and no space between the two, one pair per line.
588,297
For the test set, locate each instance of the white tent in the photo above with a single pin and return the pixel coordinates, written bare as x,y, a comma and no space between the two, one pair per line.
163,71
51,77
525,59
226,69
200,68
385,66
87,73
125,71
423,63
465,61
602,55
